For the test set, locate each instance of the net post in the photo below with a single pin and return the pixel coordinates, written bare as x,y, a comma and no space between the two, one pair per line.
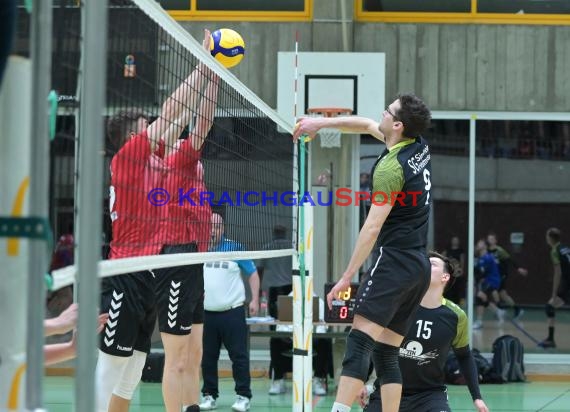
89,219
38,200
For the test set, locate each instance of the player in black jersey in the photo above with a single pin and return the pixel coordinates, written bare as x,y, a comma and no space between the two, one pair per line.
438,326
398,219
560,257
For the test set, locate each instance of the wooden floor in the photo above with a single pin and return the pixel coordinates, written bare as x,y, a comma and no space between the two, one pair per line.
513,397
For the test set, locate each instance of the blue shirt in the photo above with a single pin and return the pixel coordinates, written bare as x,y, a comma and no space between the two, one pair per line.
227,245
490,270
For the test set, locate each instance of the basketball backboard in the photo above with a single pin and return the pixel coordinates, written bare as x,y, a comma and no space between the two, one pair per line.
350,80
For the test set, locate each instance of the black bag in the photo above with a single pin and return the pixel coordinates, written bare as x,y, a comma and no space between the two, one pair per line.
153,367
508,359
484,369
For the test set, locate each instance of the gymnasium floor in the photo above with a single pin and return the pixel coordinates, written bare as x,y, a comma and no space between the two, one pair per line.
513,397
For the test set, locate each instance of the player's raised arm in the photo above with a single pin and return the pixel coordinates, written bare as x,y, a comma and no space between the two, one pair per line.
182,101
311,125
206,112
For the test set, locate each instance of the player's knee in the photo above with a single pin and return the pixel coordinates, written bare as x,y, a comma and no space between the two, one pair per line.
481,302
131,377
550,310
386,361
109,369
357,357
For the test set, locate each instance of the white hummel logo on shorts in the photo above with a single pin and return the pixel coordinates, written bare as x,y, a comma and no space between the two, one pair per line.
173,304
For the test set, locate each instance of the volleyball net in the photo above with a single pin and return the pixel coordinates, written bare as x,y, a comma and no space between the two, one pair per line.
211,146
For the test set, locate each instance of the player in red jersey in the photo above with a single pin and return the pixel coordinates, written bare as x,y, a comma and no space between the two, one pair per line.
130,299
185,228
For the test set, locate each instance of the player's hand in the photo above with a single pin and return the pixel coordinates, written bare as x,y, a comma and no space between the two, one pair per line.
66,321
306,126
363,396
480,405
253,307
207,40
101,320
341,286
522,271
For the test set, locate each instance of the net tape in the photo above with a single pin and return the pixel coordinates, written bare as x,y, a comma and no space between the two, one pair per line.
67,275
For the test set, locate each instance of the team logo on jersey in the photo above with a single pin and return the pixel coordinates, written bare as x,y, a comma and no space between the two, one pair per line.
414,350
419,161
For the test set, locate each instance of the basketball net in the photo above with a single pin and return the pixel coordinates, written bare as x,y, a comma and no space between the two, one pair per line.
329,138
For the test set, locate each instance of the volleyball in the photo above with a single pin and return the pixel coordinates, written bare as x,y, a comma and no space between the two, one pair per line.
227,47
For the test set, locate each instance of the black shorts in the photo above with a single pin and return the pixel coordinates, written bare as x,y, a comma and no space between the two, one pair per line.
130,302
179,293
390,293
431,401
488,289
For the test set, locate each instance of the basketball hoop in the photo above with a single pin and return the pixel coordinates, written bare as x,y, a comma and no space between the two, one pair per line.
329,137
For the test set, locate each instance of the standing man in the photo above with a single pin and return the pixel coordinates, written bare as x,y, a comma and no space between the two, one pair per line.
399,278
130,299
504,261
560,257
439,325
488,282
224,319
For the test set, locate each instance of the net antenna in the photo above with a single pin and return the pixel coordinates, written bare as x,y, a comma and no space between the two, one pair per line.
329,138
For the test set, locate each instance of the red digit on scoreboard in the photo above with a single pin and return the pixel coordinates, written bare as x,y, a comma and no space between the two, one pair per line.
343,312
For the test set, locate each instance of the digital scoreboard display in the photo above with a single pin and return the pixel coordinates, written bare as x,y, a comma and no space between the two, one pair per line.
342,306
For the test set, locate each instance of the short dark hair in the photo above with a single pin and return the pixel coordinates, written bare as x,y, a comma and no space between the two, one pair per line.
123,123
279,231
414,115
449,266
554,234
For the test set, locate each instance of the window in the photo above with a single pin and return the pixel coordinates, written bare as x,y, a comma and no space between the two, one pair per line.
240,10
524,6
464,11
454,6
251,5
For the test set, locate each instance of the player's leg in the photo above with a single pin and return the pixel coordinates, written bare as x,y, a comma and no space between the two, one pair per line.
385,356
550,309
381,299
359,346
191,396
177,298
127,383
121,299
131,375
494,304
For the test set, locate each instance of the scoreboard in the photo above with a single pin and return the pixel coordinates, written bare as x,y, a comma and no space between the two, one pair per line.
342,306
